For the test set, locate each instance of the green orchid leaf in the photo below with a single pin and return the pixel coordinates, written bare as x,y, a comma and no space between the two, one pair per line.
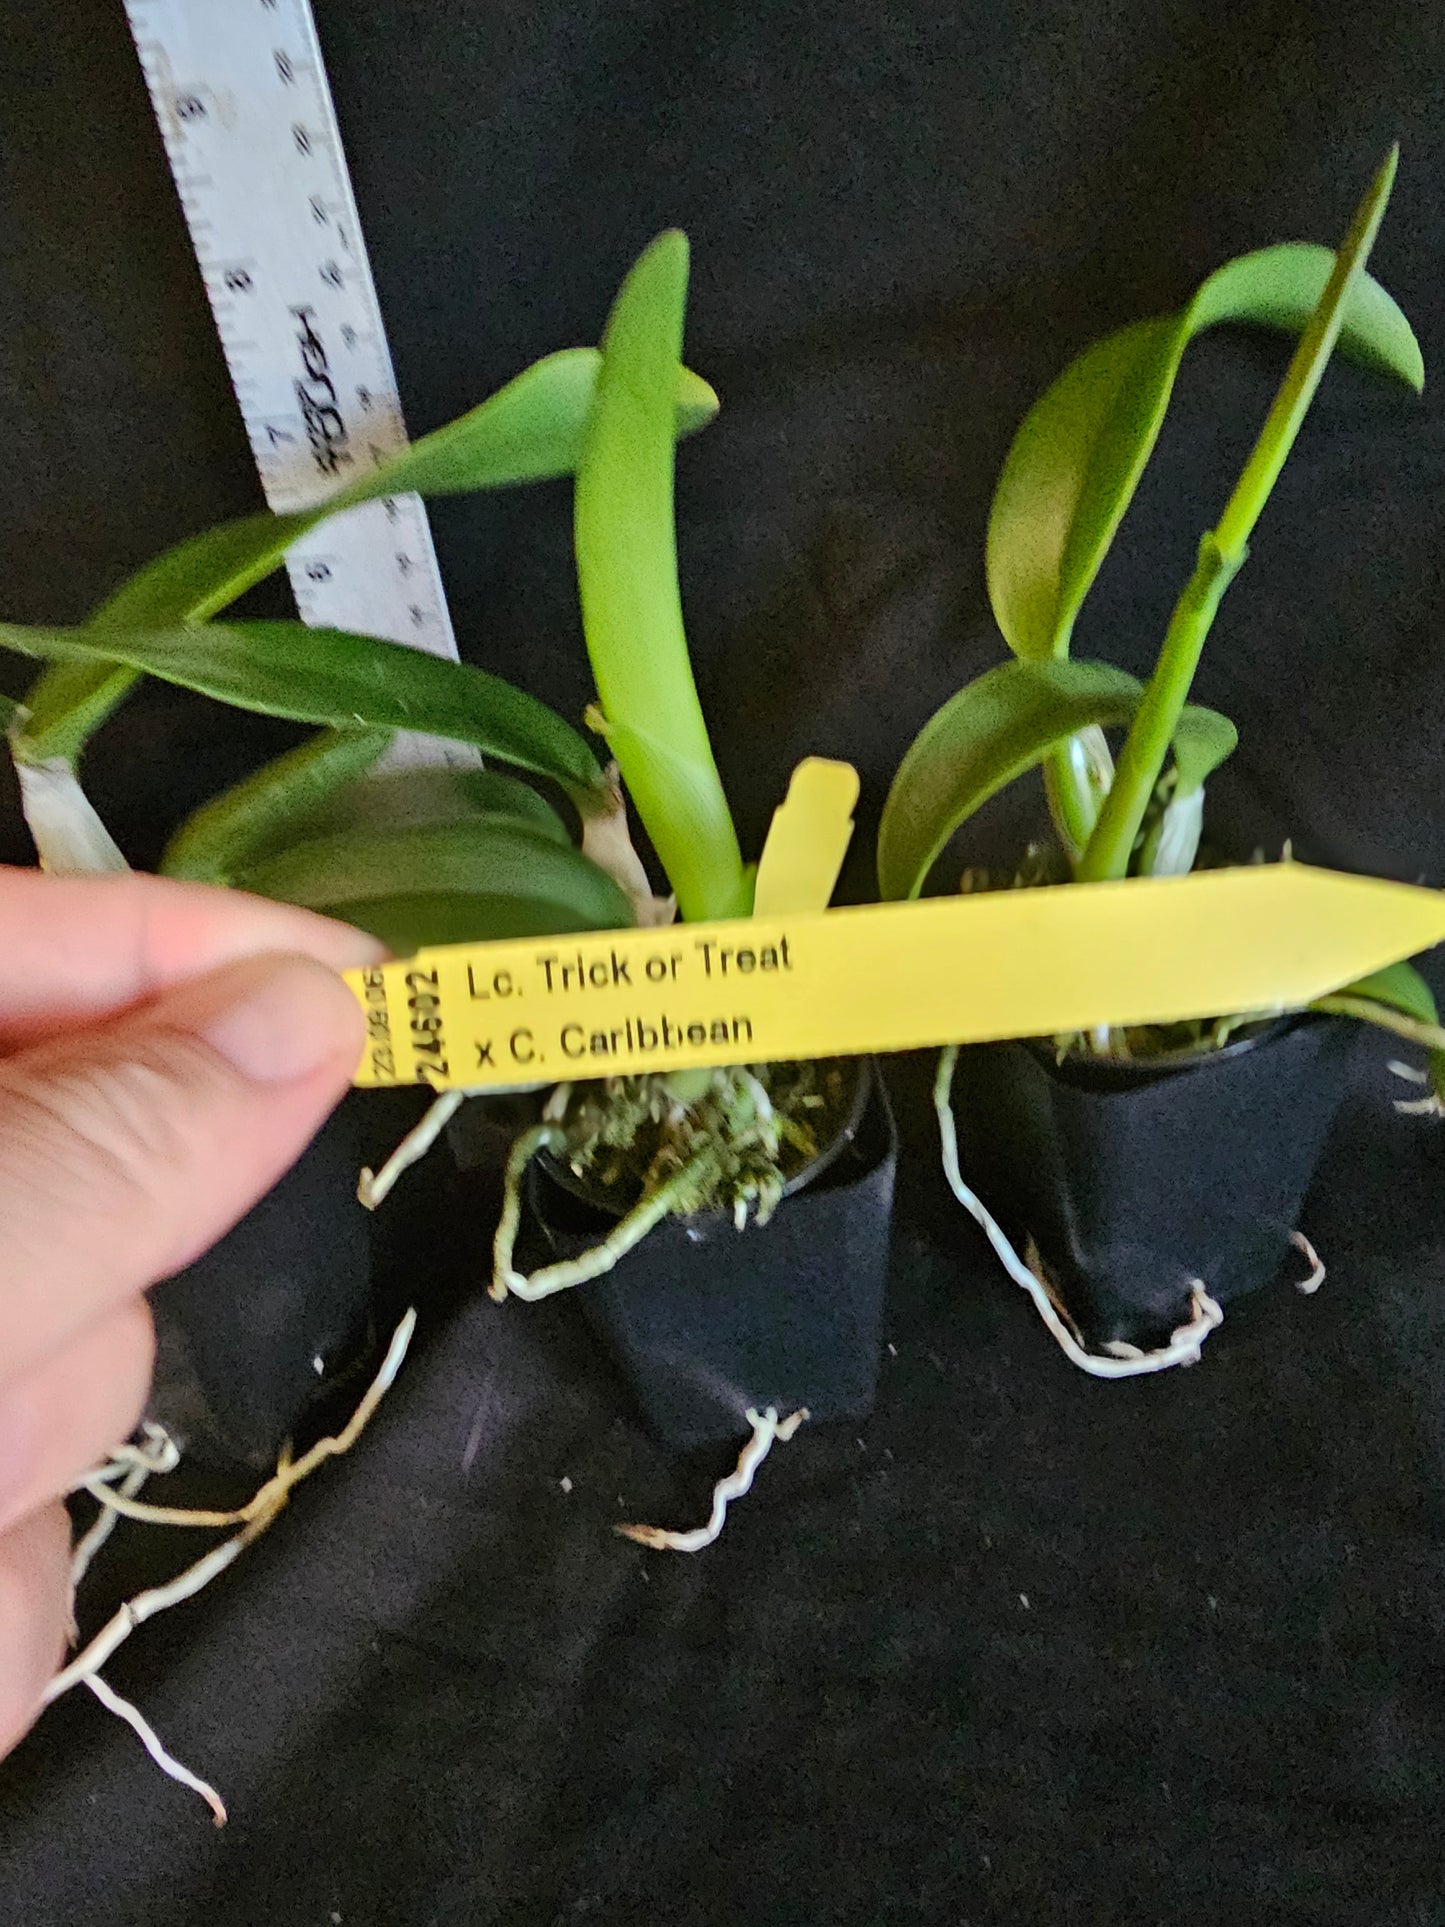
402,798
323,789
533,430
626,549
1280,287
326,787
1398,999
1223,551
420,920
1203,739
10,714
991,732
346,681
1077,459
1399,987
199,577
444,883
529,431
66,705
270,806
690,796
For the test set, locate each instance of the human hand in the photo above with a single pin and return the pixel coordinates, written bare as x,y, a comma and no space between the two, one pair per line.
166,1053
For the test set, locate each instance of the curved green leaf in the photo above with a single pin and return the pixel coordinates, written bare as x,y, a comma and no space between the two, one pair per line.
1398,986
419,920
991,732
69,702
322,788
690,798
1077,459
427,797
1202,740
260,812
626,549
529,431
347,681
1280,287
445,883
1223,551
10,713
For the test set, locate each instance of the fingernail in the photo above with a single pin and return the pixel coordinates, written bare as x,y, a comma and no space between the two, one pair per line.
285,1017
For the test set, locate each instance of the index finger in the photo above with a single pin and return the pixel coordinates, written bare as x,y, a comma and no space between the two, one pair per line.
75,948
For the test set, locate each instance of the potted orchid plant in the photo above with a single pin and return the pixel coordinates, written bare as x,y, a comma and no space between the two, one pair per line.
430,856
1135,1180
708,1327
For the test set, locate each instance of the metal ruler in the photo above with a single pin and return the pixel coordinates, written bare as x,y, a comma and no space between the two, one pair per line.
248,122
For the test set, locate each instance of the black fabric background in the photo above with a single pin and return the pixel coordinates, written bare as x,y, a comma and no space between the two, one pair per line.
1028,1647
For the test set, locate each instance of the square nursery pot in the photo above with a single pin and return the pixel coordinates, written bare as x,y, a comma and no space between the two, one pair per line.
278,1314
1133,1180
705,1321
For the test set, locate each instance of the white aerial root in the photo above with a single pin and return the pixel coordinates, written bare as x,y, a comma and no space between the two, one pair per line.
1124,1361
150,1740
156,1451
133,1465
254,1518
372,1187
1427,1106
1309,1286
145,1605
266,1503
767,1427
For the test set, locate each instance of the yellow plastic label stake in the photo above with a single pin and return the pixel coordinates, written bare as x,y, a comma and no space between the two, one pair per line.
808,840
886,977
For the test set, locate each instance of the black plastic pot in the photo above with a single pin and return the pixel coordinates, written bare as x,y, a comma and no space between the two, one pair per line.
705,1321
1132,1180
252,1335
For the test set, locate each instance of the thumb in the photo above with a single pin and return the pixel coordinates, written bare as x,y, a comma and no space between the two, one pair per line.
128,1148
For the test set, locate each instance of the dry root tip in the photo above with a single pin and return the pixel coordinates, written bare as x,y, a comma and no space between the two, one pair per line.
151,1741
1430,1105
767,1428
652,1536
372,1186
1309,1286
607,842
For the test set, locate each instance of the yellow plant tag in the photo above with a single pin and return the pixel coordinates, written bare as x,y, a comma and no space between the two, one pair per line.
808,840
885,977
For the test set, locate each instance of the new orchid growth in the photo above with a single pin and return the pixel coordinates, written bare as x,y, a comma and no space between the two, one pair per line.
627,575
1065,486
